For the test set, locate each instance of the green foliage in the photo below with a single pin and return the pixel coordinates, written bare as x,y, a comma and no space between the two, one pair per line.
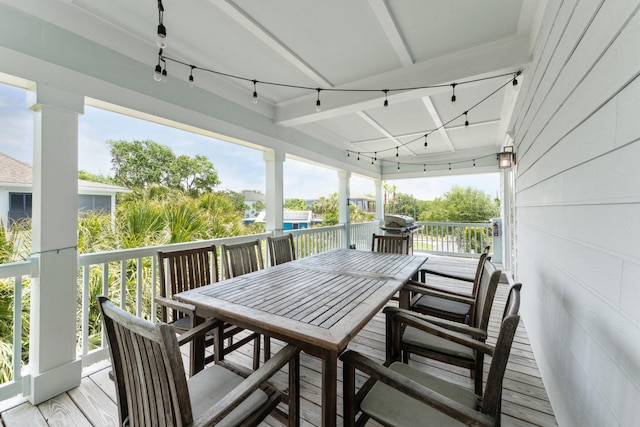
237,201
462,205
139,164
88,176
296,205
328,208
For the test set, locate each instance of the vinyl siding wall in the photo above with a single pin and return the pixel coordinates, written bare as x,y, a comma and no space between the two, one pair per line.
577,130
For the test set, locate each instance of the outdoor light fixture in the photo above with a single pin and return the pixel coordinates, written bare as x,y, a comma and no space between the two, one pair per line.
162,30
507,157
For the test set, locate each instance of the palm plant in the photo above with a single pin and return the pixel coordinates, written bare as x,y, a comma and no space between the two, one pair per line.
184,221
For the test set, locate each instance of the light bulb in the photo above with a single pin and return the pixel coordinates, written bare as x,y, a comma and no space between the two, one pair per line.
255,97
191,84
385,106
162,34
164,75
516,86
318,105
157,75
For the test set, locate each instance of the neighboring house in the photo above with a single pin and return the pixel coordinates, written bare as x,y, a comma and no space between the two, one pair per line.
16,189
364,203
293,220
250,199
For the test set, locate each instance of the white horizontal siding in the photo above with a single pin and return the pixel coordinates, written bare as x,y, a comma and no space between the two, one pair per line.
577,132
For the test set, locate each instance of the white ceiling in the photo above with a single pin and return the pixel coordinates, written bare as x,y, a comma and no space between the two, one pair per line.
337,44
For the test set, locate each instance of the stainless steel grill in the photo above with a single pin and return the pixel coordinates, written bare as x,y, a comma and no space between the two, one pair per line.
398,224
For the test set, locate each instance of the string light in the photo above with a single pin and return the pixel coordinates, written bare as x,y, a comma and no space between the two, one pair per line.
398,165
466,120
449,167
515,81
162,31
474,163
385,106
318,105
157,75
453,94
397,151
164,71
425,140
375,155
358,155
255,92
191,84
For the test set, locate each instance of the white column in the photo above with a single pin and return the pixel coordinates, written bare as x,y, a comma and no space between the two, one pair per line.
54,367
344,213
274,166
379,200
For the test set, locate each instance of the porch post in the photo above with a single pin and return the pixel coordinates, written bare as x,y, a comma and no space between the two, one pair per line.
344,212
274,165
379,201
54,367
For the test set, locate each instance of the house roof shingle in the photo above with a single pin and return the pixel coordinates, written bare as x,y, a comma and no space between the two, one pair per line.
13,171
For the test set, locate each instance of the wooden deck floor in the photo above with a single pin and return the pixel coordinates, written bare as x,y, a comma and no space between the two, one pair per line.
525,401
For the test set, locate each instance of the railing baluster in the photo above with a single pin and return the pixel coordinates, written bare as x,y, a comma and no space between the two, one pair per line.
86,275
17,328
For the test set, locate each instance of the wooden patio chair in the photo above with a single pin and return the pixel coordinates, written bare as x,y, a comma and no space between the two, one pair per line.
405,334
281,249
403,396
391,244
152,390
240,259
444,303
189,269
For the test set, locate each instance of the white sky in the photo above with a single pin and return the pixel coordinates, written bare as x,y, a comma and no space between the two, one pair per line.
239,168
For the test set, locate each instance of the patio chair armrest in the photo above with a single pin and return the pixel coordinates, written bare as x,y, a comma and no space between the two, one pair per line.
419,288
199,331
248,386
441,328
182,307
415,390
425,271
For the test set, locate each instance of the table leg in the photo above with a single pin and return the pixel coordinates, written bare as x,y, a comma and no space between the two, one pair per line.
329,388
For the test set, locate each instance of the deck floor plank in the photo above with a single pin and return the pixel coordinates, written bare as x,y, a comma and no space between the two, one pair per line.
525,401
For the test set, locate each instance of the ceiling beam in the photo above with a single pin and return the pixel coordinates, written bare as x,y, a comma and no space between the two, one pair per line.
245,21
383,131
388,24
438,122
499,57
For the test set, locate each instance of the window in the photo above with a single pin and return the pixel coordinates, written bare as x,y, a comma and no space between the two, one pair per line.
89,202
19,206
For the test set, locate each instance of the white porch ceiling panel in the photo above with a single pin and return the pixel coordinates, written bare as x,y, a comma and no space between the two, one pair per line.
336,44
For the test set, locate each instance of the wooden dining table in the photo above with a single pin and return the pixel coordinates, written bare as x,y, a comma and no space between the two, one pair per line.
317,303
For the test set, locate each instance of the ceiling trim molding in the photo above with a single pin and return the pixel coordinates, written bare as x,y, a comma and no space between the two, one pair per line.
390,28
246,22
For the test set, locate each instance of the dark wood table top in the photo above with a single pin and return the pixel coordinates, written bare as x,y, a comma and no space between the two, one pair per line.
317,303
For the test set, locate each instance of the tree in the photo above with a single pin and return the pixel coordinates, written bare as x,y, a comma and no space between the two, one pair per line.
88,176
197,175
137,164
328,208
462,205
296,205
140,164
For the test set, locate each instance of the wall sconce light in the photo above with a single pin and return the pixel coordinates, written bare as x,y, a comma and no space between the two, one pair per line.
507,157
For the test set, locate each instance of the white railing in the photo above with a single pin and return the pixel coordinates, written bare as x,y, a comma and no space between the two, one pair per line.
14,275
309,241
361,234
452,239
